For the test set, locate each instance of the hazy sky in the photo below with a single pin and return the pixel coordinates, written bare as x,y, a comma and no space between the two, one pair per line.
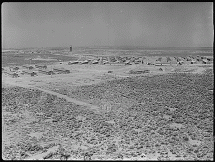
153,24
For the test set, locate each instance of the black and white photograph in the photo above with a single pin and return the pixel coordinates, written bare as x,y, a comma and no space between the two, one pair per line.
107,81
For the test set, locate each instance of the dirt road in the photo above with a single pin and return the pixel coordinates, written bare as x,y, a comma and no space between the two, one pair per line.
93,107
96,109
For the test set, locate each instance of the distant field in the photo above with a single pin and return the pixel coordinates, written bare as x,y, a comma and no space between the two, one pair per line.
19,58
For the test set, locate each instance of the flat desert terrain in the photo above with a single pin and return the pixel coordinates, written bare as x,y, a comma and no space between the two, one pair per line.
126,106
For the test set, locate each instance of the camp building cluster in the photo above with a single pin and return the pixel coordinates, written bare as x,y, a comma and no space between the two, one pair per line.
33,70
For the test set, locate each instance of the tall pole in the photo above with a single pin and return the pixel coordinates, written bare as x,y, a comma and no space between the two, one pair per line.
70,49
51,71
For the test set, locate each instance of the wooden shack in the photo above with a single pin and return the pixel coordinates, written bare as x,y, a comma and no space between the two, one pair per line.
16,68
189,59
12,74
193,62
73,62
61,70
180,62
41,66
29,67
158,63
203,57
205,61
46,71
209,58
127,62
32,73
199,59
162,63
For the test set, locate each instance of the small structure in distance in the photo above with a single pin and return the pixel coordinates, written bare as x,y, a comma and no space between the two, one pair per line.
70,49
61,70
73,62
41,66
46,71
29,67
12,74
31,73
95,62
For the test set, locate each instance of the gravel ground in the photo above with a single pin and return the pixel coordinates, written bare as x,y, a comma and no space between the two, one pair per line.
165,117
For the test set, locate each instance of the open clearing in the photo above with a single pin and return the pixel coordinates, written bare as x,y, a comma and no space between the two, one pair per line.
92,113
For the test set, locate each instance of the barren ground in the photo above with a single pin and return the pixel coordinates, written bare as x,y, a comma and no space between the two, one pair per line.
54,137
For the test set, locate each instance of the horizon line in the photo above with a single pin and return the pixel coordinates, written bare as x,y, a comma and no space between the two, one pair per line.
103,46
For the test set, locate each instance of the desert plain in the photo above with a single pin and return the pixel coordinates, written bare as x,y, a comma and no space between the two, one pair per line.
131,104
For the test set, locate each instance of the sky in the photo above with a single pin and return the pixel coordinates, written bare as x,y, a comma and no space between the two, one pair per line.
146,24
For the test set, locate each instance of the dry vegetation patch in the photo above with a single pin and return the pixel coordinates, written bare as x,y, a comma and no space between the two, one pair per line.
167,116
